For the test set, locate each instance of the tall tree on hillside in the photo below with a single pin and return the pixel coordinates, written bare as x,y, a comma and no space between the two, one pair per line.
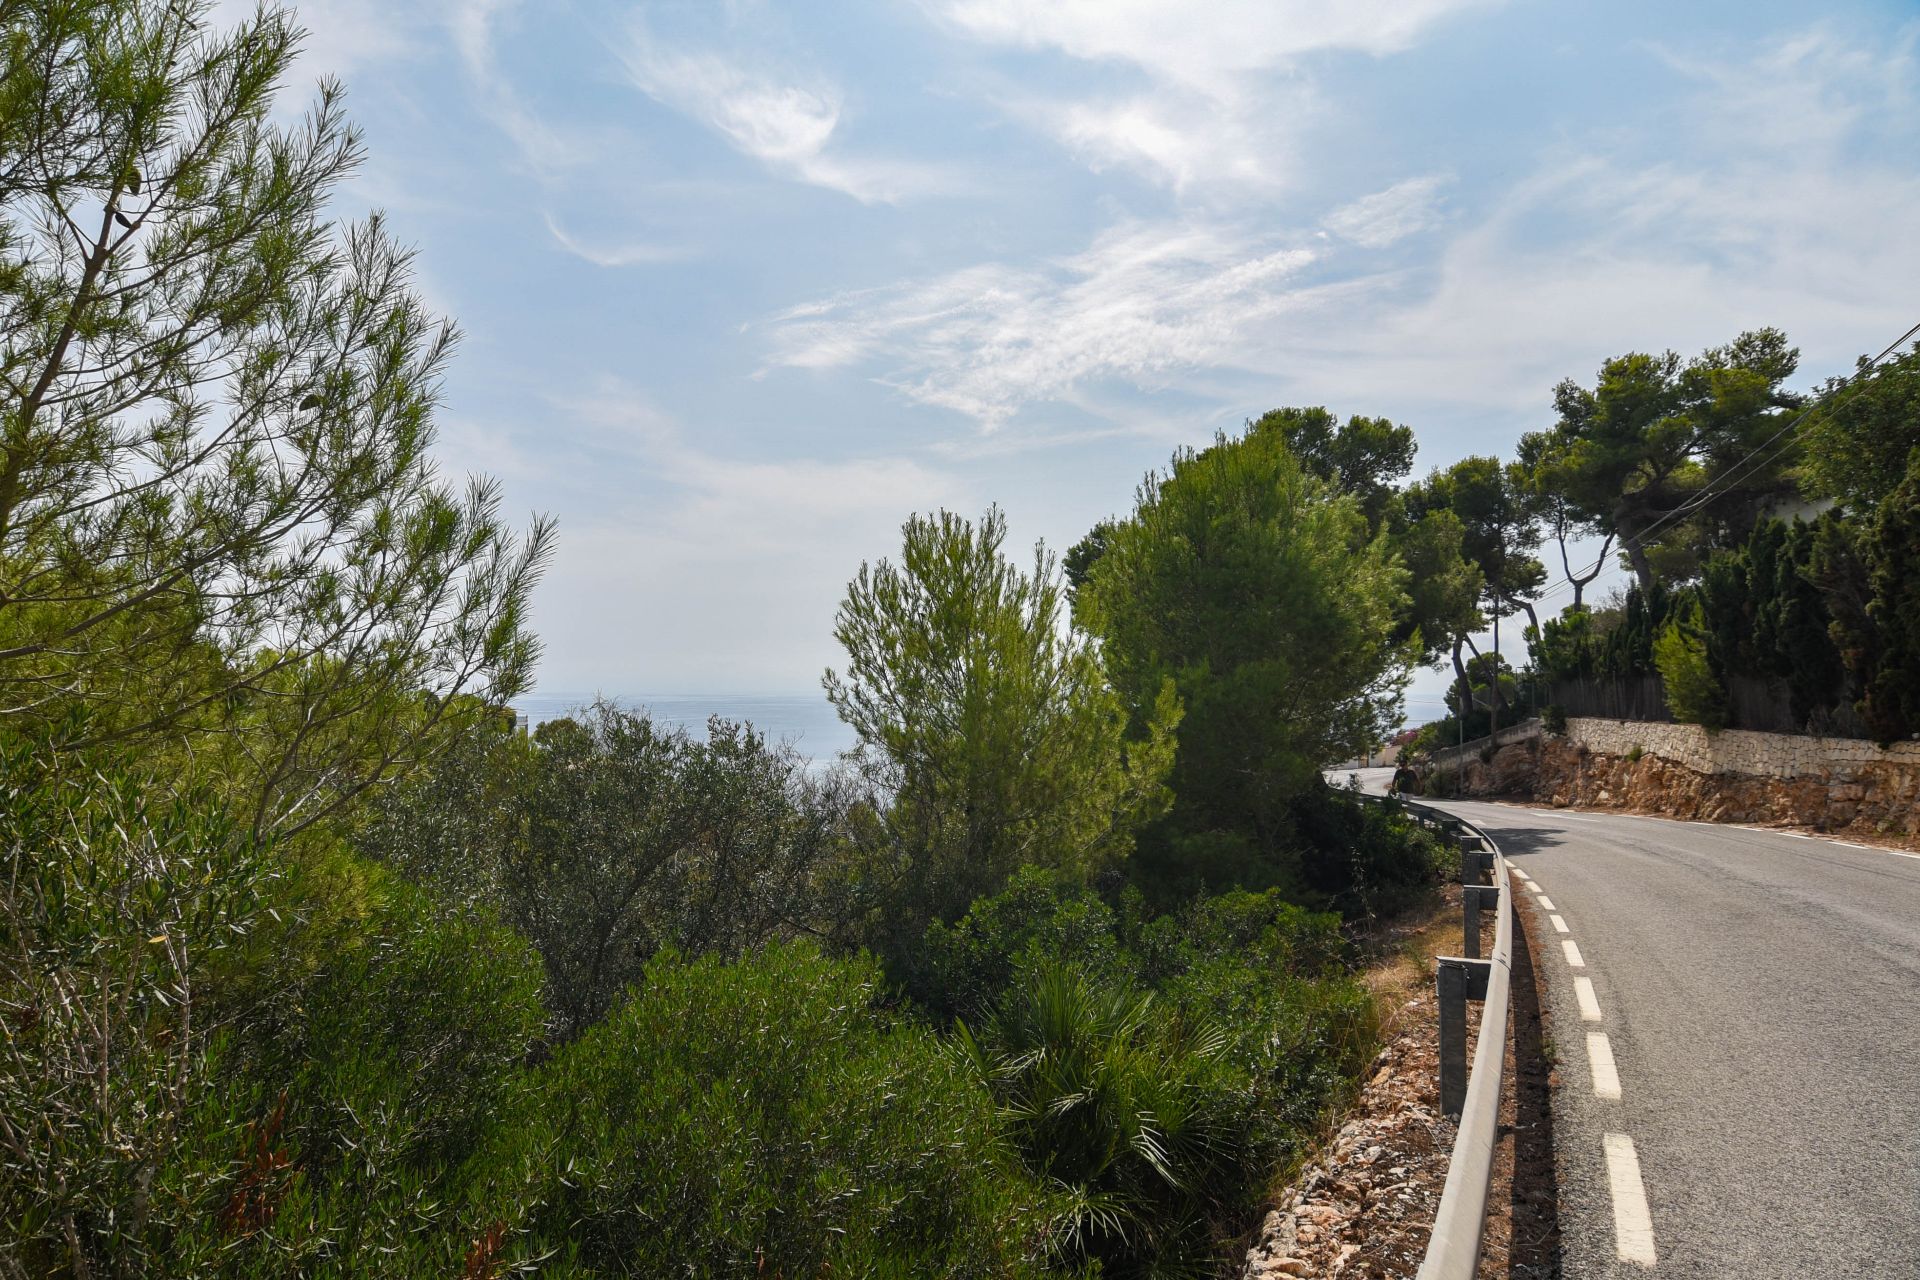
1560,518
1659,451
1253,588
985,723
1500,532
219,525
1365,457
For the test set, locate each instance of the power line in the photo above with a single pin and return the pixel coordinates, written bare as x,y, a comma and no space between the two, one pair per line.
1753,460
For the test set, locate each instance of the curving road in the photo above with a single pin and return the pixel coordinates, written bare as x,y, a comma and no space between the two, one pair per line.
1758,995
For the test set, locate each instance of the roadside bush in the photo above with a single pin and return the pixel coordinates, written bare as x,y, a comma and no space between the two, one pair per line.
375,1079
1553,719
761,1117
1040,917
1134,1106
1366,860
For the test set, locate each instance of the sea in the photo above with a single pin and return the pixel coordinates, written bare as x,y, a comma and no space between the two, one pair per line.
805,720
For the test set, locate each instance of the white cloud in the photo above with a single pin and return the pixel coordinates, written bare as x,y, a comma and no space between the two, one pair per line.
784,123
1145,303
1226,94
634,254
1598,251
1381,219
1173,40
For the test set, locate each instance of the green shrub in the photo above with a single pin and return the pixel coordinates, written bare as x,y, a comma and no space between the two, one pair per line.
1553,719
761,1117
1694,693
1040,917
1365,860
116,899
1133,1105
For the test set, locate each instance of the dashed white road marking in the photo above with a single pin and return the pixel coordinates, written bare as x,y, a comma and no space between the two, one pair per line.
1559,925
1523,875
1606,1076
1572,951
1632,1225
1589,1003
1546,903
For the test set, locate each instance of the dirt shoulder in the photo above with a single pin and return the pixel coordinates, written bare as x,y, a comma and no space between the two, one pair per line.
1363,1206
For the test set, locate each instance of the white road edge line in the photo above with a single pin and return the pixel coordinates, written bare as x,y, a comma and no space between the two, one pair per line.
1589,1003
1559,925
1572,952
1632,1225
1546,903
1606,1076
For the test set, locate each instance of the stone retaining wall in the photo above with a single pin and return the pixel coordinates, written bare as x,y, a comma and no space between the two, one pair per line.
1735,775
1764,755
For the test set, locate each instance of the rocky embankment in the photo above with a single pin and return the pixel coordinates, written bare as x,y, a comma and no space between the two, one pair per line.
1683,771
1365,1207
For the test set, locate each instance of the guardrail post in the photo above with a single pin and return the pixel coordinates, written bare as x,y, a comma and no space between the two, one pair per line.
1472,898
1458,980
1476,865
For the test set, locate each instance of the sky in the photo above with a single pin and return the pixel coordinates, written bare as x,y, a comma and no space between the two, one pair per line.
743,284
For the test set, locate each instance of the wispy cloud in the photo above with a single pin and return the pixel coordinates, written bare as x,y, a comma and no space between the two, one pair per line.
787,122
1385,217
633,254
1225,94
1168,38
543,147
1144,303
1597,251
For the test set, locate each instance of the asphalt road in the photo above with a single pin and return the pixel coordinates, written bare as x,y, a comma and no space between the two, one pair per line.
1760,996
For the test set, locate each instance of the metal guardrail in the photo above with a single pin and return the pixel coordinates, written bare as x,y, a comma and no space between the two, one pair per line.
1453,1249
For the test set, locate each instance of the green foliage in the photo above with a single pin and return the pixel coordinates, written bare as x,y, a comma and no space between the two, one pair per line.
1694,693
1766,616
1361,860
1443,586
1132,1106
1652,432
114,902
1586,643
761,1117
1499,526
1553,719
1858,439
1364,458
1891,700
987,724
1253,590
1122,1043
207,1071
1038,918
220,529
604,839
